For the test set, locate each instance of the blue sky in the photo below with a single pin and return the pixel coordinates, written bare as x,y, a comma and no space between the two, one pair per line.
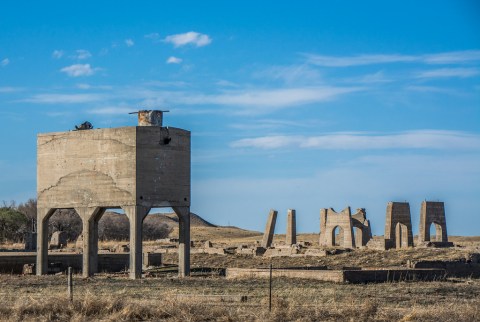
302,105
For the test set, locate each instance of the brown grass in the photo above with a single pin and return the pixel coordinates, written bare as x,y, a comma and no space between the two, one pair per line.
116,298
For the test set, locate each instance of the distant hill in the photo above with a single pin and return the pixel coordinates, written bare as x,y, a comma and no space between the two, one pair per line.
169,219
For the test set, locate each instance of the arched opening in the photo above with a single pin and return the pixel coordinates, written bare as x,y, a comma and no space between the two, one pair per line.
337,236
435,232
358,236
64,227
401,236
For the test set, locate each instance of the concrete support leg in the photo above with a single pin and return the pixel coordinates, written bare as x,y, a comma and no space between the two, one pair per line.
269,229
291,237
136,214
90,218
183,214
43,214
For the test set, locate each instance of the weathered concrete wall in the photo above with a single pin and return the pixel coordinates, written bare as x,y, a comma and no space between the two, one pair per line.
163,170
341,276
398,225
432,212
329,220
114,167
452,268
106,262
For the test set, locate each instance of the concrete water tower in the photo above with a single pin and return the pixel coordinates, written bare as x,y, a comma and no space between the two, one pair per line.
134,168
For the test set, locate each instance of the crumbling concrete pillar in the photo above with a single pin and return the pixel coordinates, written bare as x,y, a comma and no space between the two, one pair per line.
43,214
432,212
269,229
183,214
136,215
90,217
291,236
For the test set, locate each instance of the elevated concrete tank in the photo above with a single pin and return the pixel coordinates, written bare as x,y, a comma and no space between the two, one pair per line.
134,168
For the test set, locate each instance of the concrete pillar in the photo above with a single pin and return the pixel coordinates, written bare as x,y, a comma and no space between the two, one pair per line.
43,214
183,214
269,229
90,217
136,214
291,237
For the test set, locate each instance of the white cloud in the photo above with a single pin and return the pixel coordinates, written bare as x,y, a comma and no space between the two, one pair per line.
449,72
78,70
129,42
64,98
5,62
359,60
57,54
191,37
82,54
424,139
174,60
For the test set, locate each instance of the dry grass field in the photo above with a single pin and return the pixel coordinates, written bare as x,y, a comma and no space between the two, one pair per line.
200,298
210,297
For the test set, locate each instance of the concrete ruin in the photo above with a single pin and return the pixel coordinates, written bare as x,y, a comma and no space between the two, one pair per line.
58,240
330,220
432,213
269,229
134,168
398,226
346,224
291,236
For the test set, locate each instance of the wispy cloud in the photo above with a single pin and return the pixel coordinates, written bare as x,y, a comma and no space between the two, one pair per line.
153,36
129,42
189,38
270,99
174,60
293,74
423,139
82,54
4,62
371,59
9,89
111,110
57,54
64,98
453,57
78,70
449,72
339,61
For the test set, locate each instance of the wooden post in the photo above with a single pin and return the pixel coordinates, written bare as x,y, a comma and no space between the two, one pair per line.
70,284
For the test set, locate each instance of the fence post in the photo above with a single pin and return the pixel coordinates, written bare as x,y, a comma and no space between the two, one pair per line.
70,284
270,292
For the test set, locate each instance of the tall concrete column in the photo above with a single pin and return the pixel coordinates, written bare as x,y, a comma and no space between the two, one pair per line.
269,229
183,214
43,214
291,236
136,214
90,217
